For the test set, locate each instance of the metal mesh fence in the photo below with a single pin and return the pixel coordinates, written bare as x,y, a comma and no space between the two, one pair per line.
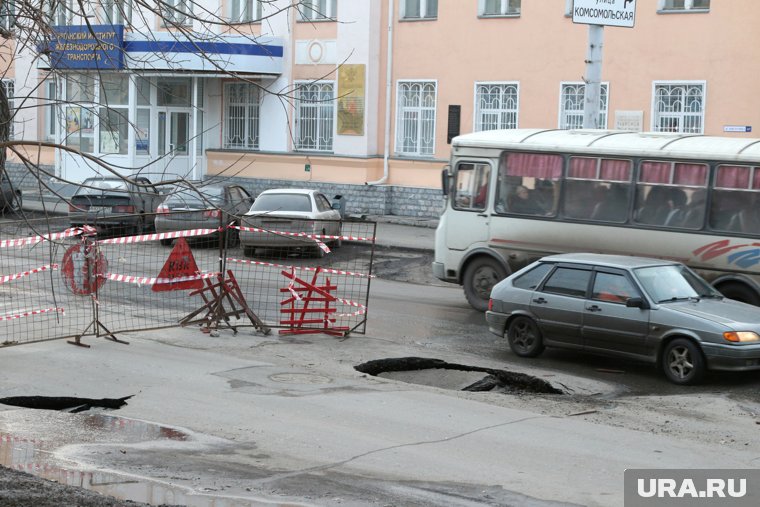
299,276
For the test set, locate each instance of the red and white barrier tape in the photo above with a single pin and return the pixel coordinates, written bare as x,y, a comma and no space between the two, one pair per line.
314,237
33,312
142,280
156,236
8,278
303,268
33,240
362,309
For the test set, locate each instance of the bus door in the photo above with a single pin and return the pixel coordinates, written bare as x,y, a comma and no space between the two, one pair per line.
471,195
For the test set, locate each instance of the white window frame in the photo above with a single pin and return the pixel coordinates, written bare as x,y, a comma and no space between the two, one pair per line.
117,12
500,111
419,124
506,8
324,117
683,114
10,92
245,11
564,113
251,115
318,10
51,109
424,10
8,14
688,5
60,12
177,12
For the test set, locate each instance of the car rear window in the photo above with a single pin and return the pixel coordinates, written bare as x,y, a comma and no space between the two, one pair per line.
190,198
532,278
282,202
568,281
98,185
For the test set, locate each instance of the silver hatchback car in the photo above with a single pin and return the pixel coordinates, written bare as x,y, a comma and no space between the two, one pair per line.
643,309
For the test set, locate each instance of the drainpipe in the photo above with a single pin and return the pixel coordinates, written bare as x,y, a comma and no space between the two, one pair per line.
388,90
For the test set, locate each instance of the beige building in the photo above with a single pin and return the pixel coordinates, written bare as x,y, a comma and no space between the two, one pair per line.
366,94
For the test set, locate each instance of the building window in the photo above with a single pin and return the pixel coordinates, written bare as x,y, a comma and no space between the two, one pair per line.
315,113
9,87
60,12
571,105
177,12
117,12
316,10
80,126
493,8
419,9
679,107
7,14
496,106
245,11
51,108
113,114
241,125
684,5
415,118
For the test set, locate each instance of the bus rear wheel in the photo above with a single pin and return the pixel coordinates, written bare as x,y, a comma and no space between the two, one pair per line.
740,292
479,278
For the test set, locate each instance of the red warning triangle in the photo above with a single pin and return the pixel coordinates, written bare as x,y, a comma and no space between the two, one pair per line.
180,264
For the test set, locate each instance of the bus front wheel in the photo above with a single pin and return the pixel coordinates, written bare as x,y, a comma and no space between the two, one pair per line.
479,278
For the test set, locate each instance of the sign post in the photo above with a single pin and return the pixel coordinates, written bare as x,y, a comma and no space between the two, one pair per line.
596,14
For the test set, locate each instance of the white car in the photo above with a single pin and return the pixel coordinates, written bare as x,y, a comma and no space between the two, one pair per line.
290,219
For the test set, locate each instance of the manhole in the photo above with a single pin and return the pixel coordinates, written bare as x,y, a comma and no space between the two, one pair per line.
439,373
299,378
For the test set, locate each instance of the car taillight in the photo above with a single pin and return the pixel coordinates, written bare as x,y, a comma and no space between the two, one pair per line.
212,213
490,305
78,207
123,208
162,208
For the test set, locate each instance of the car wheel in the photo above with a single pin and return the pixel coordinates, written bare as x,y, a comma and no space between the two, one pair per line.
682,362
740,292
479,278
166,242
524,337
233,238
16,202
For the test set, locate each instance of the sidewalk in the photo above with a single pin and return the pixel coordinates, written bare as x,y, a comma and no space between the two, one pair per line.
392,231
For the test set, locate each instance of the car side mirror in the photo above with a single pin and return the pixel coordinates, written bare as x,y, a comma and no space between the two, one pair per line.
636,302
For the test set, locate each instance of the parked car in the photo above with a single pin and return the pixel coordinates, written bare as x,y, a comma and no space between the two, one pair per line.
112,204
10,197
287,213
205,208
632,307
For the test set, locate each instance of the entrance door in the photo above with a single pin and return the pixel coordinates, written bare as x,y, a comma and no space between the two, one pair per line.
467,221
174,140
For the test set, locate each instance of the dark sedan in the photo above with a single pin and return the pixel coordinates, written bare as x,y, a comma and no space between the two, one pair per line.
643,309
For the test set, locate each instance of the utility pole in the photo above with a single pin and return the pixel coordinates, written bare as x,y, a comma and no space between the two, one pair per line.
593,77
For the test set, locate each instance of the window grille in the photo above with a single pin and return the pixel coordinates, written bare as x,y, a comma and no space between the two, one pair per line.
571,105
117,12
314,10
496,106
685,5
177,12
415,127
245,11
60,12
500,7
679,107
242,116
9,86
419,9
7,14
315,112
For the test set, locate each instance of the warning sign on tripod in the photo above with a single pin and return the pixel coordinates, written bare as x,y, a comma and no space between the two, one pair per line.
180,272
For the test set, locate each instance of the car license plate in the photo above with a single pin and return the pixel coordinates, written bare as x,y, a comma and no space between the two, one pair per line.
99,208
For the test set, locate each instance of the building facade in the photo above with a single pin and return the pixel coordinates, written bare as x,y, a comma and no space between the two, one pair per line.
362,97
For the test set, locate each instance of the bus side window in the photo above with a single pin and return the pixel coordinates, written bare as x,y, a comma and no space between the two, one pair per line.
471,187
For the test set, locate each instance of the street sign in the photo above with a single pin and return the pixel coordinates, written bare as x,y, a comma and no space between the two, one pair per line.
83,269
605,12
180,264
737,128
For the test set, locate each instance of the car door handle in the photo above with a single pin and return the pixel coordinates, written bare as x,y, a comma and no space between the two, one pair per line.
593,308
540,301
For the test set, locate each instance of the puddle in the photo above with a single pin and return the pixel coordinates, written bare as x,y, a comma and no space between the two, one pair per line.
460,377
30,441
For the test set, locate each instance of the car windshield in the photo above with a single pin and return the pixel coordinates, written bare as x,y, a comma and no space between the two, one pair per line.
97,185
191,198
282,202
673,283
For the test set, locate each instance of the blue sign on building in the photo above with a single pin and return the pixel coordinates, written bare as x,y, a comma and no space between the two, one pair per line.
96,47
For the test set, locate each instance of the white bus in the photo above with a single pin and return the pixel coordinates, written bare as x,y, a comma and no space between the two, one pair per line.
514,196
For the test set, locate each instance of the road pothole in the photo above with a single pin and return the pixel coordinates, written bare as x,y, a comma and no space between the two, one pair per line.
460,377
64,403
